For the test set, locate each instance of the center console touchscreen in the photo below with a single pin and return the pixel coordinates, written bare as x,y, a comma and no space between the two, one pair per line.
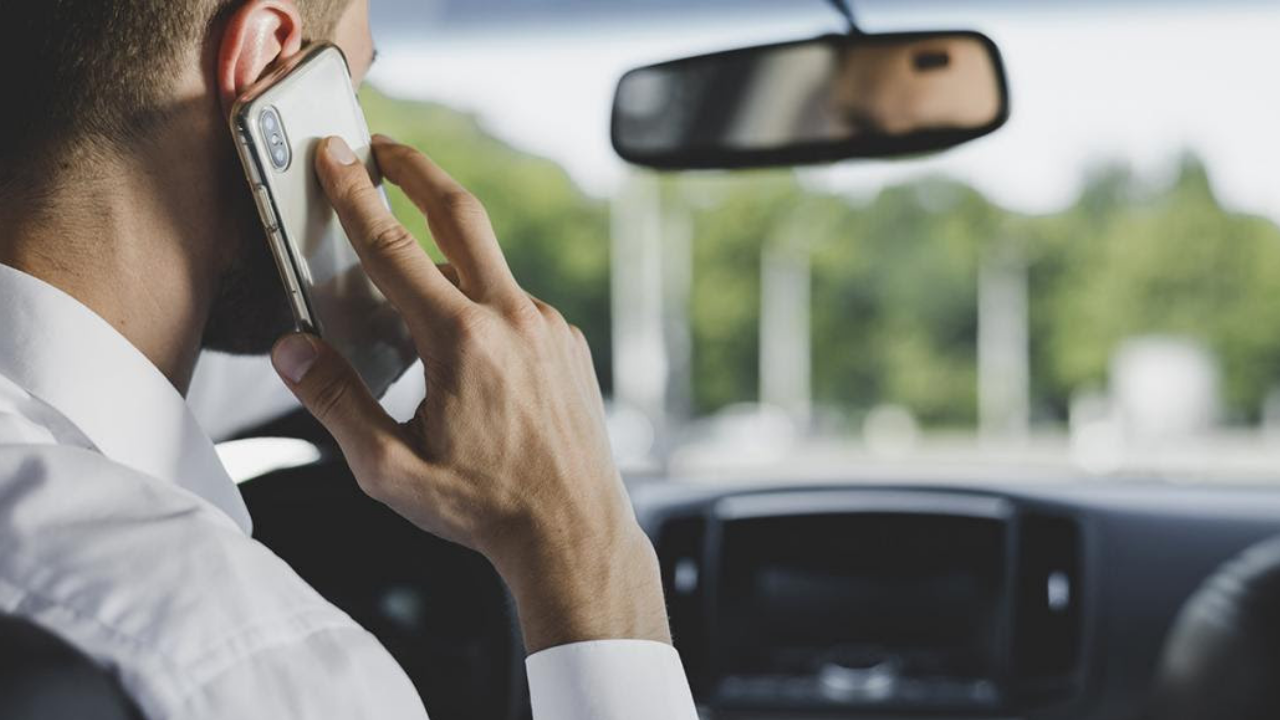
893,609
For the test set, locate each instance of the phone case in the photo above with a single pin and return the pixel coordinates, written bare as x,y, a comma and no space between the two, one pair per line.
312,98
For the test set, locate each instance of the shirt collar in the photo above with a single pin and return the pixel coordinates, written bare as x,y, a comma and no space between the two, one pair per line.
68,357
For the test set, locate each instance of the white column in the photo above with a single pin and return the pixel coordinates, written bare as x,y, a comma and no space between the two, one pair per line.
651,279
1004,362
785,330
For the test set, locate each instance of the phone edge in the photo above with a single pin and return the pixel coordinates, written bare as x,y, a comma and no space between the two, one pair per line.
286,258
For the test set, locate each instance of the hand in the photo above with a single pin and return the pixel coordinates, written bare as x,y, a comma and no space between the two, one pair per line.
508,453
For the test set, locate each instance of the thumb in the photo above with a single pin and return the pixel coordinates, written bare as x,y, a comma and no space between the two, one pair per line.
330,389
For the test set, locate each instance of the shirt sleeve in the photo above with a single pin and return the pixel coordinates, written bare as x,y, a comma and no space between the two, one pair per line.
610,680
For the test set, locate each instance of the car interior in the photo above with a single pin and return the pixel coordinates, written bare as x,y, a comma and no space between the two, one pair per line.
1090,589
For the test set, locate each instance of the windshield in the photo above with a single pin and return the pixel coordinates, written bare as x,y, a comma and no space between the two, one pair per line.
1092,291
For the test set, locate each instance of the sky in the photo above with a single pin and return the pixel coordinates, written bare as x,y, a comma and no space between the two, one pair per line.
1138,85
428,15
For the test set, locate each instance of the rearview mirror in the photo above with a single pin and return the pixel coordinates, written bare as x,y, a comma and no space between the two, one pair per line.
831,98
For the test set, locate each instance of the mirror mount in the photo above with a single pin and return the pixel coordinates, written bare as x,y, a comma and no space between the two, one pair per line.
845,8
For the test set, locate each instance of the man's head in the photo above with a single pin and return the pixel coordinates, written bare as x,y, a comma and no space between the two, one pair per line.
143,88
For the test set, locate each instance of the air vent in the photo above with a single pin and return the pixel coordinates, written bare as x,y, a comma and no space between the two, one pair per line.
681,546
1048,611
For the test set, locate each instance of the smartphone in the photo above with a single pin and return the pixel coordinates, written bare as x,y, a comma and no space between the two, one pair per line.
278,126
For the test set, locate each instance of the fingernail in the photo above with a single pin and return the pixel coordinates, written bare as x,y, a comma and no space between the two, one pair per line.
293,356
340,152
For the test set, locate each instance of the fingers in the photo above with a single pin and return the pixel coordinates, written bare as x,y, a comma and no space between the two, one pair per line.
578,349
458,220
330,389
451,274
389,253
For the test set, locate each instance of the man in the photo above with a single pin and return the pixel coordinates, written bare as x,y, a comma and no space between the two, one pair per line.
128,243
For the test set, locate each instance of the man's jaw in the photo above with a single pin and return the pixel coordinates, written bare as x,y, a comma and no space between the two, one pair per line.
250,310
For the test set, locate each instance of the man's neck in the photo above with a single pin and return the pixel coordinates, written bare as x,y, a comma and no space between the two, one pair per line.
114,245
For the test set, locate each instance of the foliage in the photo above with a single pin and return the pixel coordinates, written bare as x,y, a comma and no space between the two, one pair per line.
555,237
1172,262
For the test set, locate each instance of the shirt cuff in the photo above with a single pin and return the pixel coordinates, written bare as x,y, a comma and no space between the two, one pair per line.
610,680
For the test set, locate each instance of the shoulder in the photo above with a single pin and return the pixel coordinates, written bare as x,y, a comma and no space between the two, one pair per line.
156,583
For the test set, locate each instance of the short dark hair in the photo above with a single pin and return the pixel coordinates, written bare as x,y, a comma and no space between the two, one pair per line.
92,73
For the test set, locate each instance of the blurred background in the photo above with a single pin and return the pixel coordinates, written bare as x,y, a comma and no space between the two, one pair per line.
1096,287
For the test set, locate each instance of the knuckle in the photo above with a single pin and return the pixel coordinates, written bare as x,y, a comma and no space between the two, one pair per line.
328,398
363,193
554,317
352,185
547,310
461,204
584,347
527,316
392,239
471,324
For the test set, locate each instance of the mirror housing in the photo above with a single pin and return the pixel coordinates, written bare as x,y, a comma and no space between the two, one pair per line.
834,97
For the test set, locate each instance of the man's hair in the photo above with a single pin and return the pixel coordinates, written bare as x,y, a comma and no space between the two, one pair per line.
89,74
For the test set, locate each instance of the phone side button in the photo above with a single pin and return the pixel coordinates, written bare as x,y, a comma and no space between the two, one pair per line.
290,279
265,211
277,247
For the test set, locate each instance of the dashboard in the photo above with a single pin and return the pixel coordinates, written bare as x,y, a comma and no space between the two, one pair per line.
932,602
970,600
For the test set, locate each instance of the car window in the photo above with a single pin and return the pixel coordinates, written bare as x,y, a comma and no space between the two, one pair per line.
1090,291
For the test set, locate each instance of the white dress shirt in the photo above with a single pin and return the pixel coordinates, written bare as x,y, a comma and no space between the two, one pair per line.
121,532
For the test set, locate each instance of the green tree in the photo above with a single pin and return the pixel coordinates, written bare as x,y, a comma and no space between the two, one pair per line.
556,238
734,217
1170,262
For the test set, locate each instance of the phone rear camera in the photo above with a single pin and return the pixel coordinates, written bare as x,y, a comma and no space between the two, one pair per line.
272,130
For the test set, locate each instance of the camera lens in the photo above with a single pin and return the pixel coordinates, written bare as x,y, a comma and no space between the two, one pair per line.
276,140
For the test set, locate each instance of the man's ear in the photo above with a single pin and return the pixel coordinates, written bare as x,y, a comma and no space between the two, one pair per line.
257,34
